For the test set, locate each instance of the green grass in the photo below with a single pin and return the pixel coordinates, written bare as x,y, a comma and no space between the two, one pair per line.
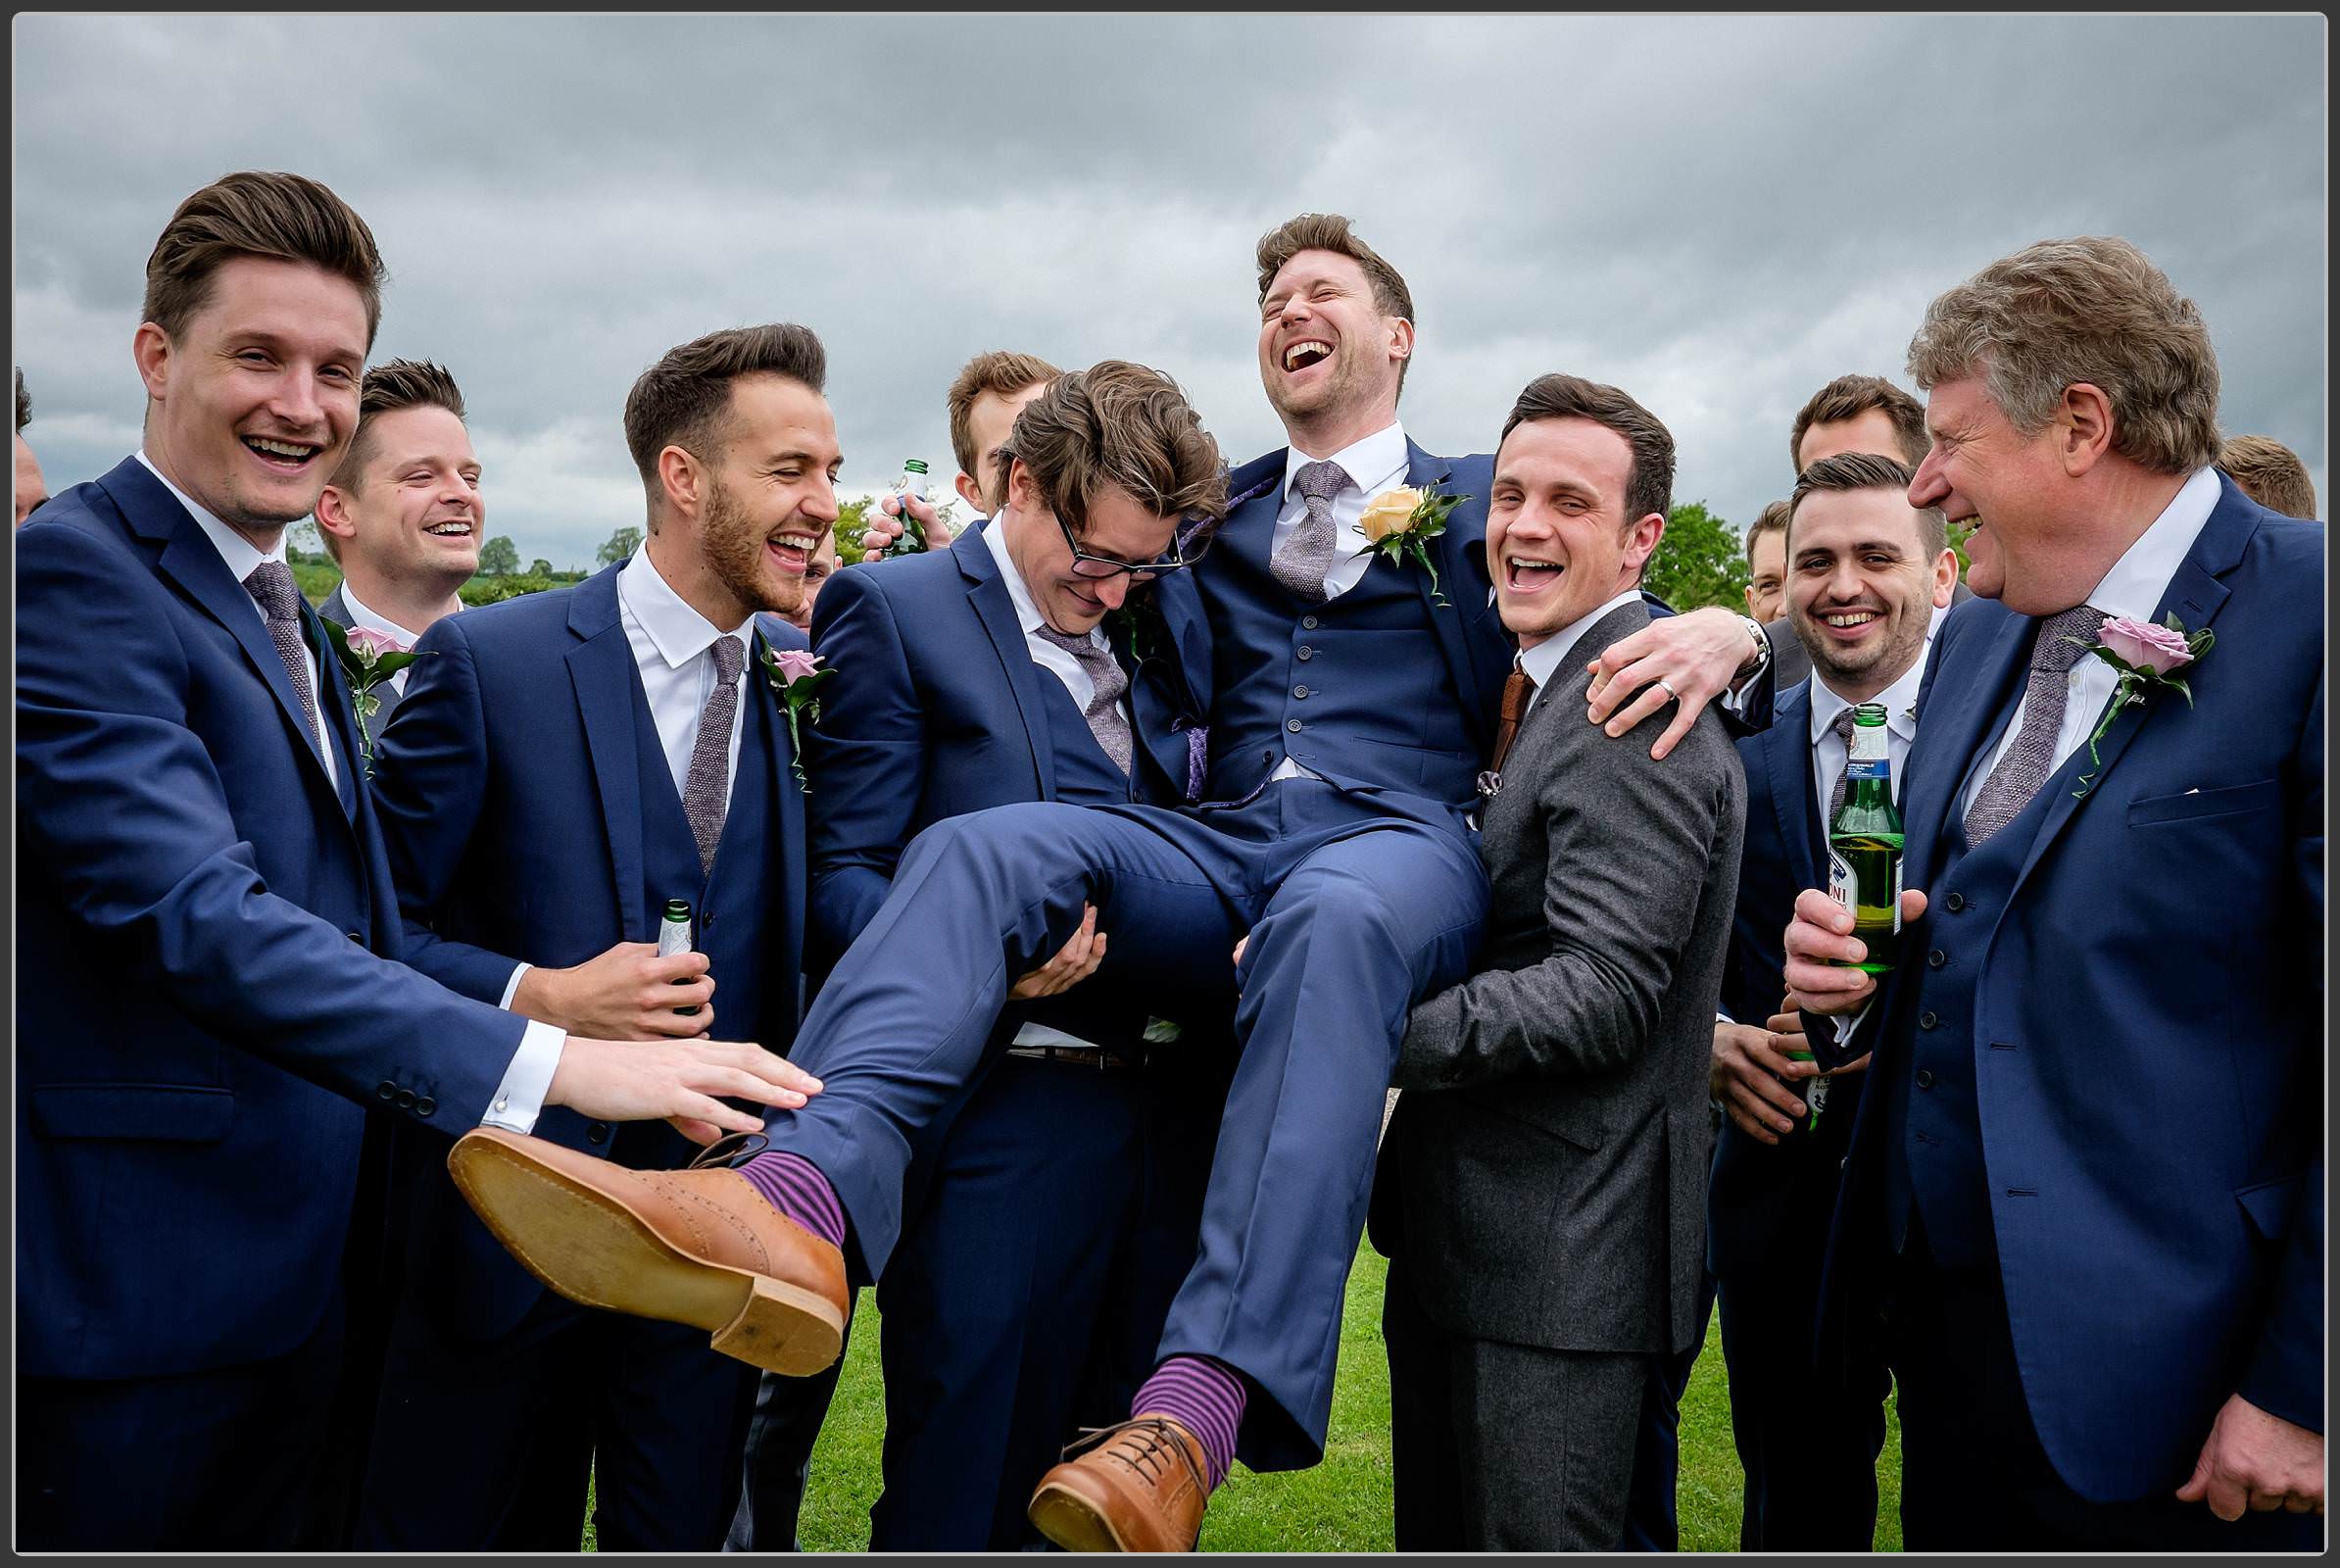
1342,1504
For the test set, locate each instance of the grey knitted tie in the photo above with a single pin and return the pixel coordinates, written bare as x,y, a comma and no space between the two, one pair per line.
1108,683
271,587
1844,728
708,786
1308,555
2024,767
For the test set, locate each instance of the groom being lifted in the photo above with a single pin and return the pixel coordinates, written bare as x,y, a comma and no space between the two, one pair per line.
1353,699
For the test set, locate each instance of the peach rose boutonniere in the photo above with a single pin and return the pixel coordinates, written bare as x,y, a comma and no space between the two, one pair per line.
2149,658
1401,522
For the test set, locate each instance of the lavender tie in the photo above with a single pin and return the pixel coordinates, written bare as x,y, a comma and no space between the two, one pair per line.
1844,728
2024,767
271,587
1108,683
1307,553
708,786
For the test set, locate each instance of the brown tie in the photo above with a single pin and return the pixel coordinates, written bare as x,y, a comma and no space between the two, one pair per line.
1518,690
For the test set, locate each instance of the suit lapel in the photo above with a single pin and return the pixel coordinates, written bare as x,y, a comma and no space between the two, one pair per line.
988,598
1962,709
2195,595
779,784
1786,752
190,559
603,676
1452,621
337,712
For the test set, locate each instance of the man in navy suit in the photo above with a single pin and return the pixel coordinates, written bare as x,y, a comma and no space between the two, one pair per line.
1866,575
535,841
402,515
2084,1200
1353,700
205,896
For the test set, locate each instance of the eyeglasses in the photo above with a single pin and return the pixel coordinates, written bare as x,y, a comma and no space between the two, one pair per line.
1084,565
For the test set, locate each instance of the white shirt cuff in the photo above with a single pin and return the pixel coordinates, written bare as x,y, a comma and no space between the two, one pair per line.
520,1096
512,986
1723,1018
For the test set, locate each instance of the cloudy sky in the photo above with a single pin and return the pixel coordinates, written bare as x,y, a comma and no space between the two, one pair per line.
1716,213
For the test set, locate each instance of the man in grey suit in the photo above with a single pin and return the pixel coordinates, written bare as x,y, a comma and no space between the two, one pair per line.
1541,1187
402,514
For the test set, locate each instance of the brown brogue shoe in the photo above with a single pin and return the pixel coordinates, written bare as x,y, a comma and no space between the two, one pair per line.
1138,1487
700,1246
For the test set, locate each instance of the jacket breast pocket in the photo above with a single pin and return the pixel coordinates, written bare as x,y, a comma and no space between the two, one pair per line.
183,1113
2266,794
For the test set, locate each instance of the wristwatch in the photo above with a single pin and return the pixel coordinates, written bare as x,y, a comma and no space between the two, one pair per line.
1762,657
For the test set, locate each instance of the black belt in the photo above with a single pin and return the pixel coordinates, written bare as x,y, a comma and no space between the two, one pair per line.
1101,1059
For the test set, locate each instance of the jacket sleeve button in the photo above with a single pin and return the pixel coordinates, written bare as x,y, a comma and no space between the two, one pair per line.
405,1100
424,1106
385,1090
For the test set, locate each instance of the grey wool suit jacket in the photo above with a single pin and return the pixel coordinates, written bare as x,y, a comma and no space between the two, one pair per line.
1545,1174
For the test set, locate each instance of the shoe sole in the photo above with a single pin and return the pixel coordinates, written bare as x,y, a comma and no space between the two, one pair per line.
591,1248
1071,1521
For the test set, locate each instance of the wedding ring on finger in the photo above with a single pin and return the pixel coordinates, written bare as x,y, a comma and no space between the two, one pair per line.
1666,687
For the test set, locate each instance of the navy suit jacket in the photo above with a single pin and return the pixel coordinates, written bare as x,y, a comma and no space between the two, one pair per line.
1479,650
937,708
206,927
510,788
2147,1038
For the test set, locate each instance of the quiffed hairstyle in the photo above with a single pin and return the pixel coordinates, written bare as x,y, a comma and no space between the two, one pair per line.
1000,373
1770,519
23,402
1124,425
389,388
1649,481
682,400
2093,309
2269,472
1330,231
1848,397
1870,470
287,217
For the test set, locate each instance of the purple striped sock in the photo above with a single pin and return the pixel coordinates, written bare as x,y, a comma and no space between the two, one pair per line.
1204,1397
795,1186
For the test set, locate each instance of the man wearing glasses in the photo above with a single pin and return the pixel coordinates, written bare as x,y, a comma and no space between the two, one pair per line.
1023,1300
1352,699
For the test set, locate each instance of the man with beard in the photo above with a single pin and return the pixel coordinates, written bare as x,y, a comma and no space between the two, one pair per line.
1866,575
562,767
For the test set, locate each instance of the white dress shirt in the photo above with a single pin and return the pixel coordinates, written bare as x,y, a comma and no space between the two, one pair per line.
2132,588
1047,655
1066,668
1543,661
243,558
521,1096
369,620
1374,465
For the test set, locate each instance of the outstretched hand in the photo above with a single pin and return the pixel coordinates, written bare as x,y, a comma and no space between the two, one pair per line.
678,1080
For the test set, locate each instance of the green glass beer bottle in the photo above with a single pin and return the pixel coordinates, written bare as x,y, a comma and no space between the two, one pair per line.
674,936
913,533
1865,842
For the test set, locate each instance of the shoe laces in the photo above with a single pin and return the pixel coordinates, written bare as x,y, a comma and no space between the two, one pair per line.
1143,1444
729,1151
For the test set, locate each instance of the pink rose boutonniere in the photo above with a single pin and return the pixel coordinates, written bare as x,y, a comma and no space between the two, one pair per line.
795,676
2149,658
1401,523
368,658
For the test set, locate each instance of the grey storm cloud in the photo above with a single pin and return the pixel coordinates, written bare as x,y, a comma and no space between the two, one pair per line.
1717,213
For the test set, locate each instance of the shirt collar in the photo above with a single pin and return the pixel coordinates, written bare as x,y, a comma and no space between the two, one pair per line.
2138,579
1900,700
1375,464
243,557
1544,659
370,621
678,632
1019,594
